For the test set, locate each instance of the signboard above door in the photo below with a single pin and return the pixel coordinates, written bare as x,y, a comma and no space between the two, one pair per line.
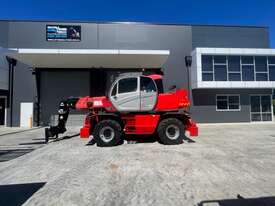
63,33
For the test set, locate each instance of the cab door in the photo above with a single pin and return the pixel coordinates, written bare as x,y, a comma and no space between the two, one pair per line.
125,94
148,94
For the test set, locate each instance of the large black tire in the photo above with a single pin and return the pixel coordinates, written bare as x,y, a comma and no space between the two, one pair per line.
107,133
171,131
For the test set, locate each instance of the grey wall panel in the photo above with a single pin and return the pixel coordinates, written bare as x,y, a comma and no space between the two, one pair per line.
204,109
24,89
4,73
235,37
4,28
177,39
57,85
33,35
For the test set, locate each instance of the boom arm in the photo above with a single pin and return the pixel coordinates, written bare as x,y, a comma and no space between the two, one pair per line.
63,113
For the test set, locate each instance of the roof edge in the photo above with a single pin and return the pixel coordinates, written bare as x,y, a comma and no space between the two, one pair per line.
132,23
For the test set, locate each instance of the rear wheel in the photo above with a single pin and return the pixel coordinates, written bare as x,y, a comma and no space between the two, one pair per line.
171,131
107,133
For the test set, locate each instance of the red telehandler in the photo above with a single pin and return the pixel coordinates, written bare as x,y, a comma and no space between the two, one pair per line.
135,105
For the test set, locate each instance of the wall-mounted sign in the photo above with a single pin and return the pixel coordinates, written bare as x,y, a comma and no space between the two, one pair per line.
68,33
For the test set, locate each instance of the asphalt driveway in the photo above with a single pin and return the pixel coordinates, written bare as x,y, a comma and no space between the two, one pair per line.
227,165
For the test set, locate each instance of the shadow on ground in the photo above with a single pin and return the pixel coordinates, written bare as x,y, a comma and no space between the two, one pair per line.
136,139
32,143
241,201
17,194
64,137
9,154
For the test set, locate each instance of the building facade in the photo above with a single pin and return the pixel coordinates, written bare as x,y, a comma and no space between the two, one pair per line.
231,78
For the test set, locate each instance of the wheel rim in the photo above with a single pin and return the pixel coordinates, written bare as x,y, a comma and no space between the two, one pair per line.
172,132
107,134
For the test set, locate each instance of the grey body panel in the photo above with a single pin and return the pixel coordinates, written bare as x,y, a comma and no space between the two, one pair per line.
148,94
148,100
127,102
137,101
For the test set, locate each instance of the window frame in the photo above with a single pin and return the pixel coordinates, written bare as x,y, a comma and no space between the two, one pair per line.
234,72
227,99
269,64
220,64
208,72
256,74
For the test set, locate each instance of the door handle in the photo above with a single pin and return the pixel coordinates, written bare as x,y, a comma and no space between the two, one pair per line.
115,97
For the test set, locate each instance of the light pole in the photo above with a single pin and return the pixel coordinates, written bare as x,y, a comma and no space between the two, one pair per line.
188,63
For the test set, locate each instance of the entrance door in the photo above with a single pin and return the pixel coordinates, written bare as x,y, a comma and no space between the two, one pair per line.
2,110
261,109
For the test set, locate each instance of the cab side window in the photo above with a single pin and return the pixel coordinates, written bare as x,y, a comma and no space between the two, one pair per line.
147,85
127,85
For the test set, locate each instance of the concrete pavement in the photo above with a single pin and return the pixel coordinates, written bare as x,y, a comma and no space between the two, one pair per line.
226,164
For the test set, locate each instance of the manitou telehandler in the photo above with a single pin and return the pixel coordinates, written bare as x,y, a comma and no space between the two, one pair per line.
134,105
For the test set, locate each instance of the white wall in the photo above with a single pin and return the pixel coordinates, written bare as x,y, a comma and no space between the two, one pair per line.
4,73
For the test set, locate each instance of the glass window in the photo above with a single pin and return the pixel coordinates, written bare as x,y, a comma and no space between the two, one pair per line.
114,90
234,76
248,73
261,76
247,60
267,117
256,117
271,60
234,63
233,102
266,103
207,63
255,103
219,59
207,76
222,103
228,102
271,73
233,99
234,107
127,85
220,97
260,64
159,85
220,73
147,84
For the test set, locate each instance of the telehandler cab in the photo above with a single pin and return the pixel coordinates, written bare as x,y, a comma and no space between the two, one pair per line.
134,105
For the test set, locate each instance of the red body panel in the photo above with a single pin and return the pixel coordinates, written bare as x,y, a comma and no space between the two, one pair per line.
140,123
172,101
97,103
192,128
86,129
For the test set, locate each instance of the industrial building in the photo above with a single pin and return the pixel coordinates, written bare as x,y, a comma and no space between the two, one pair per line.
231,78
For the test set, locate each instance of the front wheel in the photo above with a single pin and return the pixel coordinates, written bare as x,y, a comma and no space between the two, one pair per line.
107,133
171,131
